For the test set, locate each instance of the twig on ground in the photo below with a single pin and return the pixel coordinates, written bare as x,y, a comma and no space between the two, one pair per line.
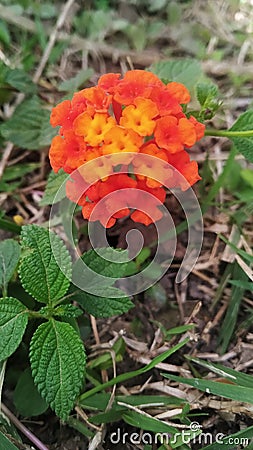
52,40
5,157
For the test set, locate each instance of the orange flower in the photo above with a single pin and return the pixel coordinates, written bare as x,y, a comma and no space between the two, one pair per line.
145,168
179,92
149,211
187,132
167,134
116,207
109,81
138,117
173,134
93,129
199,127
136,83
67,152
134,124
76,188
188,169
64,114
97,99
97,167
165,102
120,140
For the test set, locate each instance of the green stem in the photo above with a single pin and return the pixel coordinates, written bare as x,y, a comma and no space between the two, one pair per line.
36,315
228,133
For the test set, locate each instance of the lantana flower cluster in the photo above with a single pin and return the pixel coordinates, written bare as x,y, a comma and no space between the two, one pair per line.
134,115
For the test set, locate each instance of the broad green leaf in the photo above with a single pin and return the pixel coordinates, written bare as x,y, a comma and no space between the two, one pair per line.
29,126
207,95
6,444
18,171
44,264
54,182
96,271
206,92
78,80
103,306
244,145
13,322
186,71
21,81
70,311
105,261
26,390
9,257
238,393
58,361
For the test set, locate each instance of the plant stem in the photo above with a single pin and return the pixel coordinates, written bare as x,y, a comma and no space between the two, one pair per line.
32,438
228,133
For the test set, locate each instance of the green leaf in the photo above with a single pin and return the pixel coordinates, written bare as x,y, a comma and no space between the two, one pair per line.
103,306
187,71
246,285
98,270
240,378
168,433
57,360
21,81
29,126
70,311
206,92
78,80
18,171
230,320
127,376
4,33
247,176
44,258
6,444
207,95
54,182
244,145
100,401
9,257
26,390
234,392
13,322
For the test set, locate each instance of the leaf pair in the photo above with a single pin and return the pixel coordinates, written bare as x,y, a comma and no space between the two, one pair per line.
56,351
